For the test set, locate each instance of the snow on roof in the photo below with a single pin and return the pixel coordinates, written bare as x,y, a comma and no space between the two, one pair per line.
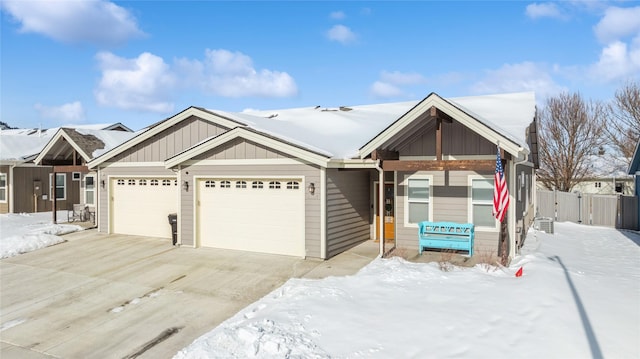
97,126
609,166
339,132
110,138
17,147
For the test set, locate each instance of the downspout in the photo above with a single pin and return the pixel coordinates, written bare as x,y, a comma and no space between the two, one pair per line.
380,205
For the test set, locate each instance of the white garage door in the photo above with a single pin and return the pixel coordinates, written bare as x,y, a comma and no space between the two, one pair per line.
258,215
140,206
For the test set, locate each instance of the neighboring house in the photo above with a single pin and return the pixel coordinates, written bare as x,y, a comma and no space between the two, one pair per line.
26,172
609,177
634,169
313,182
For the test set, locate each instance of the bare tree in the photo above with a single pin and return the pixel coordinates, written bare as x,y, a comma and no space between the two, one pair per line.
571,130
623,120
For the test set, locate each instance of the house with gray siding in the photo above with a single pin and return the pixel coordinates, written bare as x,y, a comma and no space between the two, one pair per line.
634,169
313,182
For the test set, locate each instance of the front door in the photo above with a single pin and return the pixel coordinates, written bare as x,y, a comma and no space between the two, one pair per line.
387,211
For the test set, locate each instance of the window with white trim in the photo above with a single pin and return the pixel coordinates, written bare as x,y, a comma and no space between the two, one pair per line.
293,185
142,182
241,184
257,184
418,197
274,185
131,182
166,182
210,184
76,176
225,184
3,187
154,182
59,186
120,182
482,202
90,190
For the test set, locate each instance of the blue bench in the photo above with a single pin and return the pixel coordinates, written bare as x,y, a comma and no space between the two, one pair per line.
446,235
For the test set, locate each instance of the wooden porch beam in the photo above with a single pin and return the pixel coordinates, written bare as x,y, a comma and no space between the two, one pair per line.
452,165
81,169
438,138
385,155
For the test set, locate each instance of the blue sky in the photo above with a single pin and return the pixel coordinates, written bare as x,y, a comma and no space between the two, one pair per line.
137,62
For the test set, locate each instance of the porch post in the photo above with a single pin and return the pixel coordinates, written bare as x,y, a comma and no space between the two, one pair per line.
55,198
381,209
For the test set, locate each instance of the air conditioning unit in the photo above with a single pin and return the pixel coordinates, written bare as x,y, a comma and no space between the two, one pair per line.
544,224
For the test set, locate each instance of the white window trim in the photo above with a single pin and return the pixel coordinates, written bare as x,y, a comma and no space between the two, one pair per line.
495,228
53,186
76,176
92,190
6,188
405,183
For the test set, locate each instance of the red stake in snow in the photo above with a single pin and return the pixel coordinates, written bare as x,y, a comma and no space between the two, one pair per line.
519,272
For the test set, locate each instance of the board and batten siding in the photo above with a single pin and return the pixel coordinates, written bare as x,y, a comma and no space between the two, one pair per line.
449,194
348,209
457,140
171,141
122,172
23,191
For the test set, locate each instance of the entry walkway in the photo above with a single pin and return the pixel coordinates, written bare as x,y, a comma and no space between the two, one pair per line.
116,296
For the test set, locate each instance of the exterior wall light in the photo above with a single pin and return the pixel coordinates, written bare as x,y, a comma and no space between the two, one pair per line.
102,183
312,188
185,185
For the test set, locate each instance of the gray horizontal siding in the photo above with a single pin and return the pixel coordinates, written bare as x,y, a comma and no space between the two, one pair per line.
312,202
449,195
171,141
347,209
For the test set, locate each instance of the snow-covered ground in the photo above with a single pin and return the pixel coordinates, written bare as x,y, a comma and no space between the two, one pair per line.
579,297
21,233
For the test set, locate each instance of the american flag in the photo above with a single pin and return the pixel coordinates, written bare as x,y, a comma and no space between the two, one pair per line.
500,191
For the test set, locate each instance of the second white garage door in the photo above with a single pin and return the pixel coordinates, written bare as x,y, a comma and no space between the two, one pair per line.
258,215
140,206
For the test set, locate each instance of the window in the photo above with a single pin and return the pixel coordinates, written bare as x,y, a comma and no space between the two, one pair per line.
241,184
120,182
274,184
210,184
3,187
225,184
89,190
619,187
60,185
418,196
75,176
166,182
293,185
142,182
154,182
482,203
598,185
257,184
131,182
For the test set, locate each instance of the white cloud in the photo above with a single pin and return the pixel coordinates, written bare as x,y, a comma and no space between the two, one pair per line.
541,10
232,74
617,61
618,23
142,83
341,34
68,112
385,90
525,76
96,22
401,78
337,15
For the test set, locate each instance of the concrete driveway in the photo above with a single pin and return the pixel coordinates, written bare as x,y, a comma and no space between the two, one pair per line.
115,296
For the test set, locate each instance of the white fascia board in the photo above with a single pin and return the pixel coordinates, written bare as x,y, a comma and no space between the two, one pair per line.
191,111
459,115
60,134
352,163
251,136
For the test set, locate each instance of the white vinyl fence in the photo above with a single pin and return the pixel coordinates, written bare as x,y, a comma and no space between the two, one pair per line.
599,210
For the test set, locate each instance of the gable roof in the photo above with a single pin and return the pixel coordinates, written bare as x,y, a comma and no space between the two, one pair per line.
160,126
251,135
500,119
17,148
87,142
635,160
